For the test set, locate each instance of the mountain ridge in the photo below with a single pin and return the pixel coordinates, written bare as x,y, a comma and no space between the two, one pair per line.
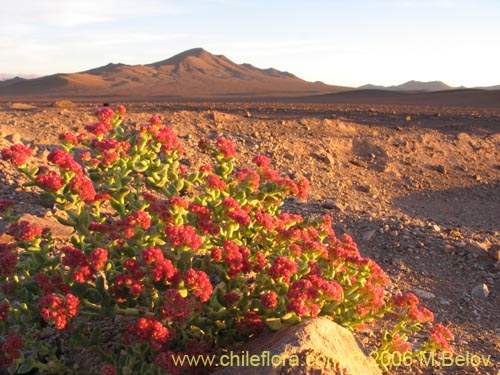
194,73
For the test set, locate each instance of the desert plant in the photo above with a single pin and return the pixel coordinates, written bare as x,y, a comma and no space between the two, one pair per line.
176,261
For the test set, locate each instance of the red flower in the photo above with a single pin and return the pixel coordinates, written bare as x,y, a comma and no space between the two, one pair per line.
168,139
399,345
10,350
105,114
283,268
199,283
440,335
183,235
98,258
83,186
175,307
121,110
56,309
8,262
226,147
108,370
148,330
16,154
269,300
68,138
100,128
261,161
24,231
50,181
4,311
79,263
155,120
6,204
215,182
53,284
251,322
64,160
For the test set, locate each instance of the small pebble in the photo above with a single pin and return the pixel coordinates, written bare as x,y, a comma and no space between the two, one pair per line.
480,291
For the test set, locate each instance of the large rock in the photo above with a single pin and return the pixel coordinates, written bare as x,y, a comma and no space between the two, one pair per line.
315,346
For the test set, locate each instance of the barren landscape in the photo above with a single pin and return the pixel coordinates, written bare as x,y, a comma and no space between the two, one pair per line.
418,188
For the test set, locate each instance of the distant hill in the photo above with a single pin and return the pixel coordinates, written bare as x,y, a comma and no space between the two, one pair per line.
195,73
412,86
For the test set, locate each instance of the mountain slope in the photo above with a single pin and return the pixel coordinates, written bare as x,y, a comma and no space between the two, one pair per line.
412,86
195,73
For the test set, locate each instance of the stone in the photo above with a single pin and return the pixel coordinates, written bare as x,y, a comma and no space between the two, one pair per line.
325,346
368,235
423,294
448,249
494,252
480,291
331,204
477,249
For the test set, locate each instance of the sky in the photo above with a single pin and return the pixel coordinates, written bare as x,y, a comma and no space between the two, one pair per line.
339,42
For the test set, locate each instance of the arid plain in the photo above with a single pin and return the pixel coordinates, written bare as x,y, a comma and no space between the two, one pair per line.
417,187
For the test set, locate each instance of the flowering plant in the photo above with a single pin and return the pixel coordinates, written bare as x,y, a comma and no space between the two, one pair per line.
176,261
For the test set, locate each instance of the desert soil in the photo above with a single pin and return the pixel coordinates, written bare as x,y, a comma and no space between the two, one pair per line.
418,188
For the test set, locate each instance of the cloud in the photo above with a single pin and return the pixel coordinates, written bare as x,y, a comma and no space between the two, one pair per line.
65,13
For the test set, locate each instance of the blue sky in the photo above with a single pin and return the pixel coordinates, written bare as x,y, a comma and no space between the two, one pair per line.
350,42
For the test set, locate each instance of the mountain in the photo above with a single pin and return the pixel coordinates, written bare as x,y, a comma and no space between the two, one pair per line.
194,73
497,87
412,86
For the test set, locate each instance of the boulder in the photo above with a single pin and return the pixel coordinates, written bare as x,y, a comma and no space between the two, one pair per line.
314,346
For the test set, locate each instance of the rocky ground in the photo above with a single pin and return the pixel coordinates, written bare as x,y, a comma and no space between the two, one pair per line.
417,187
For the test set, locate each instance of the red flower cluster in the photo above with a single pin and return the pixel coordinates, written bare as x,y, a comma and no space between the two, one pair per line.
235,212
302,297
83,267
4,311
69,138
440,335
269,300
199,283
99,128
52,285
399,345
105,114
175,307
163,269
168,139
50,181
83,186
183,235
148,330
283,268
225,147
248,176
108,370
251,322
16,154
8,263
57,309
129,225
65,161
10,350
6,204
215,182
98,258
205,224
236,257
129,283
24,231
410,302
